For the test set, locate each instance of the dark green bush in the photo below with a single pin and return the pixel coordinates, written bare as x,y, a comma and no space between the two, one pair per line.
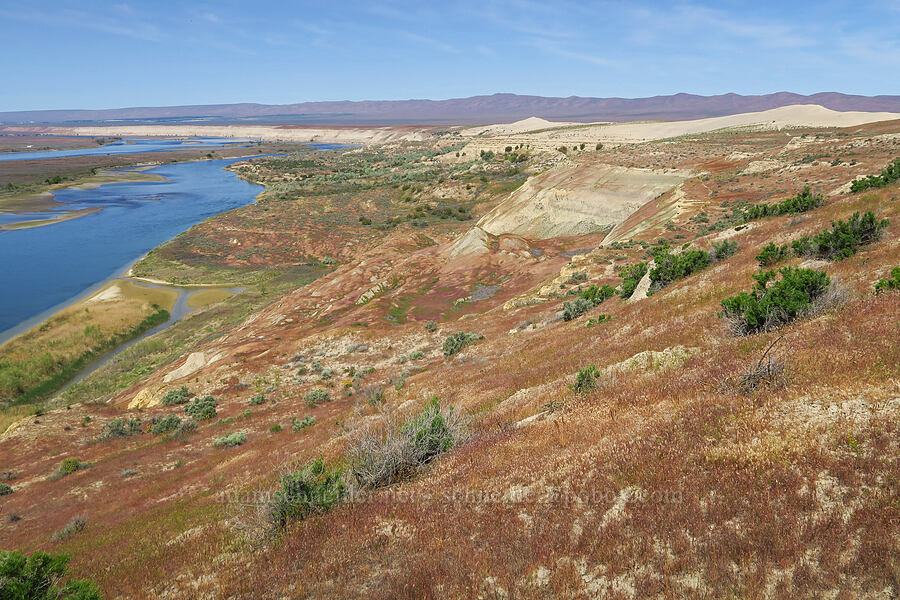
772,255
723,250
889,174
586,379
179,396
167,424
843,239
5,489
598,295
671,267
631,275
802,202
37,577
201,408
257,400
891,283
312,490
455,342
773,303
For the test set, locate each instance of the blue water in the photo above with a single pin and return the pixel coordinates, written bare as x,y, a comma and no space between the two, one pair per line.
129,146
45,266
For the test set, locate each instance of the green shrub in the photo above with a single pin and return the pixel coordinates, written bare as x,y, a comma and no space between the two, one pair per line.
771,304
843,239
431,326
298,425
382,457
167,424
416,355
772,255
891,283
598,295
889,174
576,277
671,267
723,250
201,408
118,428
586,379
312,490
37,577
802,202
600,319
576,308
316,396
631,275
275,428
70,465
179,396
5,489
257,400
455,342
231,440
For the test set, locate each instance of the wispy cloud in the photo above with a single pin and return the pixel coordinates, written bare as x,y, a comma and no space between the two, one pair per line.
557,50
77,19
421,39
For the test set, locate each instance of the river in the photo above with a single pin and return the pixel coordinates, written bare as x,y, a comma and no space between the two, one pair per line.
44,268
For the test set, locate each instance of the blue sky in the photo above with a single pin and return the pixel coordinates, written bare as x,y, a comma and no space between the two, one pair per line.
89,54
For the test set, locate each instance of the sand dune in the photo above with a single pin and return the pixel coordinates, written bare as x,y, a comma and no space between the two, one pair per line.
809,115
523,126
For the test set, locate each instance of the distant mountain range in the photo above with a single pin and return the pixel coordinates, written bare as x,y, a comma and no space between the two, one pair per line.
475,110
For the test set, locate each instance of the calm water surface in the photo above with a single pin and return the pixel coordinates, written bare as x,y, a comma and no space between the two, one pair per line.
42,267
129,146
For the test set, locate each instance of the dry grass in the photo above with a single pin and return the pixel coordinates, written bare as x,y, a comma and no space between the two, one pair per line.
655,484
29,360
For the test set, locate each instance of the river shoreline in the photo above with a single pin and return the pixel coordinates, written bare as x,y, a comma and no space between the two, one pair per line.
190,297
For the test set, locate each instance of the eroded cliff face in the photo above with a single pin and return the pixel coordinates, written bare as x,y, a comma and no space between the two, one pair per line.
578,199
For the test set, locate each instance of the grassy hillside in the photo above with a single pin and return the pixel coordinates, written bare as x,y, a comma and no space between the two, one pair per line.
643,447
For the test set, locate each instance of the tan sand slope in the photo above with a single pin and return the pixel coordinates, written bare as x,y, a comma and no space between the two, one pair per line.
535,131
523,126
577,199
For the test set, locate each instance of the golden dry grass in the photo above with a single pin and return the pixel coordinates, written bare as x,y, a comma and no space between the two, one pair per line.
207,297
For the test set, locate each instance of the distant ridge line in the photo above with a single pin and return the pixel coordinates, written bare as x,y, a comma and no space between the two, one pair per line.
464,111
